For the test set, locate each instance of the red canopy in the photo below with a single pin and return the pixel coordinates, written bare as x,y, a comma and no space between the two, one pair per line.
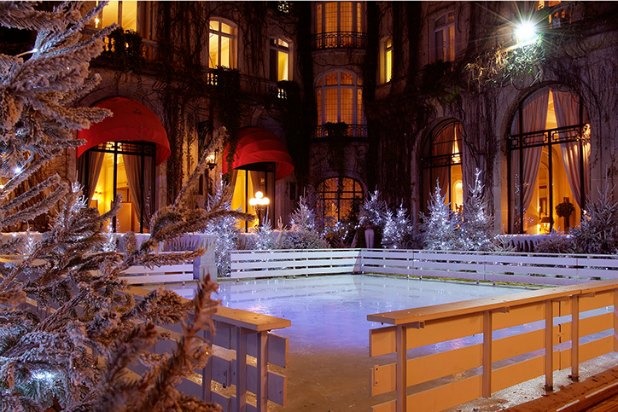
131,121
257,145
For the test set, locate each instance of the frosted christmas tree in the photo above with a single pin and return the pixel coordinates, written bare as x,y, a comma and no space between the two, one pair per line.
477,222
440,225
69,328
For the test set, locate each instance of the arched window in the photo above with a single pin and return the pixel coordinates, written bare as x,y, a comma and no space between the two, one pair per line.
338,198
339,24
221,44
548,163
441,162
121,168
339,96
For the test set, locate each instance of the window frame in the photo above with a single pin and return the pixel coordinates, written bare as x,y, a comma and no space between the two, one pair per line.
274,49
356,120
448,53
338,198
232,37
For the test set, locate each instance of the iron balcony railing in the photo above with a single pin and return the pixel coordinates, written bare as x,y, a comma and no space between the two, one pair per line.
340,40
341,130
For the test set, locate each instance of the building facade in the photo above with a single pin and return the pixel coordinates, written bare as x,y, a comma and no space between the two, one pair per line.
332,100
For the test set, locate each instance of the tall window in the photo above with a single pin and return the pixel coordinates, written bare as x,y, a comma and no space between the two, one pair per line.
279,60
339,97
444,37
221,45
441,163
248,180
549,152
124,13
339,24
121,168
338,199
386,60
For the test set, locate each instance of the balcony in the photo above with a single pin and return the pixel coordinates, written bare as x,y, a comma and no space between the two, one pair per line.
340,40
341,130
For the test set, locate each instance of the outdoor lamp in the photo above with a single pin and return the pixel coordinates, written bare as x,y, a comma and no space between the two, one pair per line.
259,202
525,33
211,159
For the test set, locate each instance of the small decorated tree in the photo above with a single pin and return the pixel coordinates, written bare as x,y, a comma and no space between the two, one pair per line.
477,221
440,225
597,232
397,229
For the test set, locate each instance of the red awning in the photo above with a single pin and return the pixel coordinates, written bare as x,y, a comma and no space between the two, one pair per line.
131,121
257,145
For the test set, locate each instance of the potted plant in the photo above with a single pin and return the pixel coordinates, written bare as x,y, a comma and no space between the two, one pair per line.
564,210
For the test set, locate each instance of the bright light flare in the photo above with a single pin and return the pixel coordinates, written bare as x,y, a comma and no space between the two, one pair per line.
526,33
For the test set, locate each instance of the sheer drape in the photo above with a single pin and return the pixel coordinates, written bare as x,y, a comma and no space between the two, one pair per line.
534,118
441,148
95,164
566,106
133,169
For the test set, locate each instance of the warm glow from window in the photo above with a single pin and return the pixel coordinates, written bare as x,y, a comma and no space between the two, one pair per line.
122,12
279,60
340,99
387,60
221,45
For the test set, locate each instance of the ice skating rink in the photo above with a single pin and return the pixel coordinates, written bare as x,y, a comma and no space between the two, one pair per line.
329,364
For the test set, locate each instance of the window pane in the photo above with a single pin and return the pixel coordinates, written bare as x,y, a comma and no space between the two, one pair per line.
345,16
129,15
213,51
226,52
282,66
330,105
347,105
330,17
110,13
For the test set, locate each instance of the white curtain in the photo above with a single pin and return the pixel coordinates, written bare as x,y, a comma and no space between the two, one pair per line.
534,119
133,169
566,106
95,164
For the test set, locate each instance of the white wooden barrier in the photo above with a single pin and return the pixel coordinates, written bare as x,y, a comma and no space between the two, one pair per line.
437,357
283,262
175,273
531,268
246,371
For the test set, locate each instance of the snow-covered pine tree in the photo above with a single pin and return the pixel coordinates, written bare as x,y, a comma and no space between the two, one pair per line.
597,232
477,222
302,233
69,328
223,228
440,225
397,229
373,211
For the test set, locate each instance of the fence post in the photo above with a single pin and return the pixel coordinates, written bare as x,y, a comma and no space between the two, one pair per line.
574,338
262,372
487,356
402,367
549,345
241,369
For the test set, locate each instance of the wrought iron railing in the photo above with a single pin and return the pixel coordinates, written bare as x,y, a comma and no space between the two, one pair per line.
340,39
341,130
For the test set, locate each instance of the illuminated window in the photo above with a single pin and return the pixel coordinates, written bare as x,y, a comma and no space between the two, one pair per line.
441,162
386,60
221,45
124,13
338,198
339,96
549,161
121,168
444,37
339,24
279,60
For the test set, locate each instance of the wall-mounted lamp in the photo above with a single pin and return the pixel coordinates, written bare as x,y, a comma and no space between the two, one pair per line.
211,159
